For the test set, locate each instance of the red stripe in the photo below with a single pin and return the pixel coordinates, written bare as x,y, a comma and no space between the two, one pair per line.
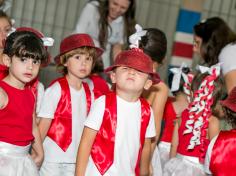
182,50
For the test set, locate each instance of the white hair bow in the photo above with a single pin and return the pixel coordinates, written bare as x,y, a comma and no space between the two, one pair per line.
209,70
134,38
178,72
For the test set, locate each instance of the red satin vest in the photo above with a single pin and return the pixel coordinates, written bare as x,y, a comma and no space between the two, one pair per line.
223,156
102,151
60,130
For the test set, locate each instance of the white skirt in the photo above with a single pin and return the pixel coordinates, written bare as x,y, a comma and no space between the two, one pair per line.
183,165
156,163
164,150
16,161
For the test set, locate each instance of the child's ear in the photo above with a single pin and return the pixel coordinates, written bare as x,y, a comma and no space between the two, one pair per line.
148,84
6,60
113,77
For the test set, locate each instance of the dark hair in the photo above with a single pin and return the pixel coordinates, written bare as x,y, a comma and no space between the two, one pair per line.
129,21
219,91
215,35
154,44
4,15
230,116
25,44
185,70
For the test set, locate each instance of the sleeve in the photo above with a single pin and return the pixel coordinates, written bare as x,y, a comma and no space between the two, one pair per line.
208,156
40,93
227,58
151,130
95,117
85,18
50,101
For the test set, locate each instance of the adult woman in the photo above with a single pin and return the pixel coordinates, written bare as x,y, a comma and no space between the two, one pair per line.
109,23
215,42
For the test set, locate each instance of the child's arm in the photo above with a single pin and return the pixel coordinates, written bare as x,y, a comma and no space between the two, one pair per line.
214,127
145,158
84,150
175,140
44,125
37,146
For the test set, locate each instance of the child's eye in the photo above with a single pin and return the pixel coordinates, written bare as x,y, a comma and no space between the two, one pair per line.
36,62
89,58
23,59
77,57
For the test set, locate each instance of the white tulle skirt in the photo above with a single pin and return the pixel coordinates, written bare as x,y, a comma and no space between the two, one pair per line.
183,165
15,161
164,150
156,163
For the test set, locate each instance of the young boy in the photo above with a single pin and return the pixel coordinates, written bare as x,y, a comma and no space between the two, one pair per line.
65,105
117,135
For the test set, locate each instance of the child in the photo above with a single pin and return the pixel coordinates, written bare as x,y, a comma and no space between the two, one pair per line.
117,134
221,153
5,27
23,54
197,126
179,81
65,105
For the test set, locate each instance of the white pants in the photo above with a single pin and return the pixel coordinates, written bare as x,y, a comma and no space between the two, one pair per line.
15,161
57,169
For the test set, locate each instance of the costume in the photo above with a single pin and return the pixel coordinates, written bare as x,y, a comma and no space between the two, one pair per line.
221,154
3,71
68,108
226,57
88,23
122,142
16,132
187,161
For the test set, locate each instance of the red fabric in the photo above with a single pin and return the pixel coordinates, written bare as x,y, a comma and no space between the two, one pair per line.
16,118
185,138
169,116
100,86
183,50
102,155
3,71
33,86
60,130
224,154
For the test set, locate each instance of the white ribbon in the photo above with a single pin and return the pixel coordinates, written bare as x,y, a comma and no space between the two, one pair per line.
48,41
178,72
134,38
204,69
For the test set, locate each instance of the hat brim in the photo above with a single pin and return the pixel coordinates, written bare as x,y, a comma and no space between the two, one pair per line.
99,52
226,103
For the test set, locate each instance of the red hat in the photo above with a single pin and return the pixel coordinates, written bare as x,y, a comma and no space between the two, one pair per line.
76,41
230,101
136,59
41,36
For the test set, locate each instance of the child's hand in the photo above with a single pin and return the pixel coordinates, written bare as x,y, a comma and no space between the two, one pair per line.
38,159
150,170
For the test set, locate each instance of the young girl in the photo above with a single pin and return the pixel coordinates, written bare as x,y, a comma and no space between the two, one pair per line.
179,81
117,134
197,126
221,153
65,105
5,28
23,53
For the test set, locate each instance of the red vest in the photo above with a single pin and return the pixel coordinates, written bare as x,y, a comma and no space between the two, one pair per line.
60,130
223,156
102,151
3,71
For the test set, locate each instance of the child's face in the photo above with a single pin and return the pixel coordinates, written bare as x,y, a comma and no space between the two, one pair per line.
5,28
22,70
129,79
79,65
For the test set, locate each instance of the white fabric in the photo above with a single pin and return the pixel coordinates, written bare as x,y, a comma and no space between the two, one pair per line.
208,155
136,37
15,161
88,23
164,151
53,153
127,137
227,58
40,93
57,169
156,163
183,165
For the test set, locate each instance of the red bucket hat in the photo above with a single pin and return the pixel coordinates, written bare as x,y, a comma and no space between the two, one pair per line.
136,59
230,101
76,41
41,36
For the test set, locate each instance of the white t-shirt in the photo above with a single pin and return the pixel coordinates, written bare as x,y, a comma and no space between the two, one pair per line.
208,155
88,23
40,93
127,138
228,58
53,153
